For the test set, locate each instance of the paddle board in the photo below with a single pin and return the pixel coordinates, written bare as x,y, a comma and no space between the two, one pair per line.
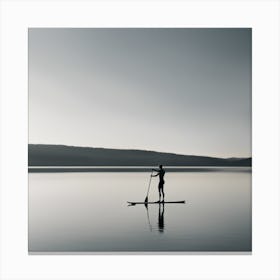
156,202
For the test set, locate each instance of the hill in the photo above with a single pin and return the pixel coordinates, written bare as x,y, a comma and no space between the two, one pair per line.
60,155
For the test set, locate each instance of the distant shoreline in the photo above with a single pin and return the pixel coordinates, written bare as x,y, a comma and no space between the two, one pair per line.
68,156
62,169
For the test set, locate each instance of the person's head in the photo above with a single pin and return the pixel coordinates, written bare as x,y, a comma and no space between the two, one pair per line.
160,166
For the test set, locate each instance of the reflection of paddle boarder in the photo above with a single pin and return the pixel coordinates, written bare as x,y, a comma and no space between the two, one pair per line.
160,223
161,217
160,173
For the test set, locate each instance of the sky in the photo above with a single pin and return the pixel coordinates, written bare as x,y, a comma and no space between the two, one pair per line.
178,90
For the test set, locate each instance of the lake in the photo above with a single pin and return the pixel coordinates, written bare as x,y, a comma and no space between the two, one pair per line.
84,212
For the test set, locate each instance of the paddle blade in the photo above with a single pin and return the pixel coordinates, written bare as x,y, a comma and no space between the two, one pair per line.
146,199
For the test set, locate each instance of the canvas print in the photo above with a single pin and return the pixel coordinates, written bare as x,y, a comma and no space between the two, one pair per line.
139,140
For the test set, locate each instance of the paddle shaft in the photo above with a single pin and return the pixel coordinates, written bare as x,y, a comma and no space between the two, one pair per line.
146,199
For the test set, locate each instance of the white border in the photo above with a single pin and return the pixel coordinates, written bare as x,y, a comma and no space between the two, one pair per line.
262,16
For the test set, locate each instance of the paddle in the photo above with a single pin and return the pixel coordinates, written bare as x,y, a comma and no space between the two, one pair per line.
146,199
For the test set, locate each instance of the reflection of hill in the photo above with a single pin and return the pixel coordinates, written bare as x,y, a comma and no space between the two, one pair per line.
59,155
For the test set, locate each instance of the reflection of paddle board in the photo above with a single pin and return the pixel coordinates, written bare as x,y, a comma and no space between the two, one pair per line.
156,202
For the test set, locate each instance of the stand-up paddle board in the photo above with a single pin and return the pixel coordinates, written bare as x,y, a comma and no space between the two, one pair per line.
156,202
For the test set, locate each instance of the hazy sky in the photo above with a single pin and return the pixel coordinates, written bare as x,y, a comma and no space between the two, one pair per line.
173,90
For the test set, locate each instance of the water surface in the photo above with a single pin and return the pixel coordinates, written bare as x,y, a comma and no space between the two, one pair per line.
87,212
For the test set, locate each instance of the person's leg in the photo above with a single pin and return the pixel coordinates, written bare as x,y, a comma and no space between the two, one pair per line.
161,190
159,193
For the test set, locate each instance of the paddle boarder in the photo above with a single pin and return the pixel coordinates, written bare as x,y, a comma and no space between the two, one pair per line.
160,173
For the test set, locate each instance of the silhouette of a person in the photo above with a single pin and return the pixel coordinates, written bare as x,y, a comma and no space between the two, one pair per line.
160,173
161,218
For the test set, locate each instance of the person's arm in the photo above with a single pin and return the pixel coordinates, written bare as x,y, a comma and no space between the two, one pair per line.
156,170
155,174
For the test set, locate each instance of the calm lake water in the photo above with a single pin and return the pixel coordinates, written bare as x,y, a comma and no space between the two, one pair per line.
88,212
